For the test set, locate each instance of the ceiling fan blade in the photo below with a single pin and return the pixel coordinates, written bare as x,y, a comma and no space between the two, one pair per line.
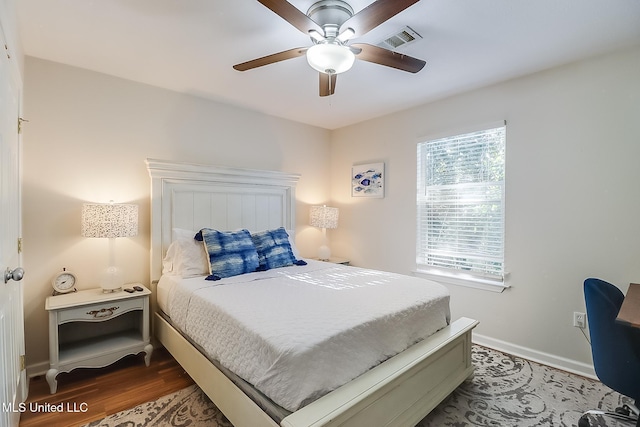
375,14
388,58
270,59
292,15
327,84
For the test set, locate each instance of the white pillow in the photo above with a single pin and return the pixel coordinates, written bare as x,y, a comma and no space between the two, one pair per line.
186,257
182,233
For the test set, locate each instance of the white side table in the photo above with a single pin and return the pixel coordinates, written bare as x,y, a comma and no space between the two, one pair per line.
92,329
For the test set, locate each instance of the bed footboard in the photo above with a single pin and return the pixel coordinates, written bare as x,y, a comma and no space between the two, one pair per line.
399,392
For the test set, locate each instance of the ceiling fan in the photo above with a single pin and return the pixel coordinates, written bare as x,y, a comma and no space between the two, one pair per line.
331,24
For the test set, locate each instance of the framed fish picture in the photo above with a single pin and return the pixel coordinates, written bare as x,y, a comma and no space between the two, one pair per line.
367,180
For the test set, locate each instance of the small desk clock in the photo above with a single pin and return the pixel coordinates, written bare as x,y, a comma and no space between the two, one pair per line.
63,282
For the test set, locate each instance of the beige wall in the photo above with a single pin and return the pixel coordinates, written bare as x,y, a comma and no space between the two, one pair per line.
86,141
572,198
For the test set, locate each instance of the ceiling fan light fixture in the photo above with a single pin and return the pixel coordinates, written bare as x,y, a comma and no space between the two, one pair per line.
330,58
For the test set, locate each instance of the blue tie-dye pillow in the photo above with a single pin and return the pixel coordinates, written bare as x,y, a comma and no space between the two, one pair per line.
274,249
231,253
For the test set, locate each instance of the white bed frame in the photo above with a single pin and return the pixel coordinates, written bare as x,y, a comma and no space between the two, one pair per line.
399,392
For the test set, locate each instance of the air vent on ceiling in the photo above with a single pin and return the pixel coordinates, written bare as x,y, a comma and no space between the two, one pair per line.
402,38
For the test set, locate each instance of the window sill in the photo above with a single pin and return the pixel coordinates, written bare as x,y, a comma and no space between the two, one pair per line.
463,280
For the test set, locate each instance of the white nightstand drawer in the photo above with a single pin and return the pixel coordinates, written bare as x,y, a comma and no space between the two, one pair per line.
101,311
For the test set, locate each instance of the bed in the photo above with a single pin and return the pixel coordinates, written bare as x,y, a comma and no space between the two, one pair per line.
399,391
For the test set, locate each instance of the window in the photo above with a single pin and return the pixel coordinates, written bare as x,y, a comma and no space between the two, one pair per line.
460,205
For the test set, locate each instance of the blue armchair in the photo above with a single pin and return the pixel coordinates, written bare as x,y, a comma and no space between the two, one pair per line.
615,348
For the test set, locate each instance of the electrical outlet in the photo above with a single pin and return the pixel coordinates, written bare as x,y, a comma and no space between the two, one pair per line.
579,320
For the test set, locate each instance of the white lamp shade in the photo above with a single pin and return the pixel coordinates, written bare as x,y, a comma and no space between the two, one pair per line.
324,217
109,220
330,58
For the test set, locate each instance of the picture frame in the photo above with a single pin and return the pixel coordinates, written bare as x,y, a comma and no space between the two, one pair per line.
367,180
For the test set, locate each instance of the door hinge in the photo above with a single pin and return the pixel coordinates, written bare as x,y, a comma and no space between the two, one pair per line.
20,122
19,245
23,362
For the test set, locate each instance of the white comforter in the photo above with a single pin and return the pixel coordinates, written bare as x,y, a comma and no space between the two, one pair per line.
296,333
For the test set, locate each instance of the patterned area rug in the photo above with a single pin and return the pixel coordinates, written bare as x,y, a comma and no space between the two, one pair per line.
510,391
187,407
505,391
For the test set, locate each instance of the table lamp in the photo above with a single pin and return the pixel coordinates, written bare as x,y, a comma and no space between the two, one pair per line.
110,220
324,217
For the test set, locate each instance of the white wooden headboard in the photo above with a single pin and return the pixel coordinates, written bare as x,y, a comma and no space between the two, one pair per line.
193,196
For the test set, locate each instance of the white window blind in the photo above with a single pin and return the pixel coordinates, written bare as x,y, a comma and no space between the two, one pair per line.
460,204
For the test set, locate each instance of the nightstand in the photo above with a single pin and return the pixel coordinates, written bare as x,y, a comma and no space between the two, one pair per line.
92,329
335,260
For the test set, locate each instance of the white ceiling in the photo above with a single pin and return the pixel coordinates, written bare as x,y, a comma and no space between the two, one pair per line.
190,46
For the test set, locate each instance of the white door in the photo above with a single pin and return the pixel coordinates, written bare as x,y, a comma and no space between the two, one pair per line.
13,385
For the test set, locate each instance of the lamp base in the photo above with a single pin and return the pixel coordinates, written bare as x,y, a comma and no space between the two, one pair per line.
111,280
324,253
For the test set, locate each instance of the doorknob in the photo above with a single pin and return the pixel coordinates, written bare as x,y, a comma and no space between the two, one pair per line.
17,274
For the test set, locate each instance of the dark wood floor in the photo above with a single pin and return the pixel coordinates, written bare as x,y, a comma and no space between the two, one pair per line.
92,394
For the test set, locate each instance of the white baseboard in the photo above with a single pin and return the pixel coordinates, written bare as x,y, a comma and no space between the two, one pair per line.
573,366
37,369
